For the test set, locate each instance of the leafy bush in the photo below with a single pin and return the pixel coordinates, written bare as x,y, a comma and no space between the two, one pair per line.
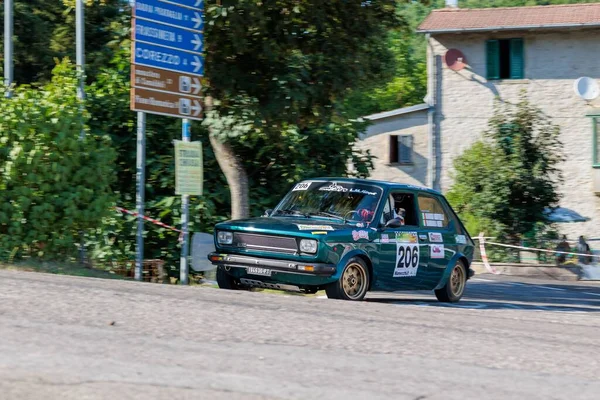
52,184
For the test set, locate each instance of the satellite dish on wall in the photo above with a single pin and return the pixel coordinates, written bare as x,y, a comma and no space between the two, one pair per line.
586,88
455,59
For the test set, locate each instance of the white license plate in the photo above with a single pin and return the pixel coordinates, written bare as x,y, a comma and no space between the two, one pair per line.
259,271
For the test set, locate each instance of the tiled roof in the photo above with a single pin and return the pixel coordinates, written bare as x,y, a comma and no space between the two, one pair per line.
511,18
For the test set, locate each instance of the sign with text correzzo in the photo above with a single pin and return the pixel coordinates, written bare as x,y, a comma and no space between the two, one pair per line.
189,173
167,57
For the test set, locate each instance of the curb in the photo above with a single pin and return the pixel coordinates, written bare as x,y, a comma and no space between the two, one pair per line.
541,271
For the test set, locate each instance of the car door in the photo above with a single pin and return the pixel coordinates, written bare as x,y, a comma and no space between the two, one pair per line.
441,242
402,257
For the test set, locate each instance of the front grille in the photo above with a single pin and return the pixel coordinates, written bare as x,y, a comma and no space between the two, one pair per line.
276,244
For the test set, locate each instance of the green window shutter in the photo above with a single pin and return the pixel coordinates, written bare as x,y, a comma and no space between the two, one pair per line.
492,51
517,59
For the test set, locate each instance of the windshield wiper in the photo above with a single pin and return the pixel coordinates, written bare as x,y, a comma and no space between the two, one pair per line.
325,214
289,211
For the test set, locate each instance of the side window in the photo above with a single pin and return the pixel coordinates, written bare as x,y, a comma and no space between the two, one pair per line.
401,149
402,205
432,212
386,212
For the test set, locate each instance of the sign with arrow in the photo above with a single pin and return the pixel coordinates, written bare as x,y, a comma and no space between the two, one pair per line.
169,14
165,81
164,103
197,4
167,57
168,36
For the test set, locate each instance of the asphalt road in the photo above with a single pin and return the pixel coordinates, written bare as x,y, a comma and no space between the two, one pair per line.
76,338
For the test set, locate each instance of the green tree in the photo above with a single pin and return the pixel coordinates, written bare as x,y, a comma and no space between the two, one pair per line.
52,185
272,167
278,67
45,30
506,181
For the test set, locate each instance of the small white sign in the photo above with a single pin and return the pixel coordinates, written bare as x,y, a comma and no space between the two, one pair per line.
315,227
461,239
437,251
436,237
407,260
301,186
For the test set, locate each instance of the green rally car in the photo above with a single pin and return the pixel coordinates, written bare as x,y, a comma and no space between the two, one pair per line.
348,236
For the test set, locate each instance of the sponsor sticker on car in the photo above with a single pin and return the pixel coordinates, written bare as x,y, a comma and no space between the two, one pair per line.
436,237
437,251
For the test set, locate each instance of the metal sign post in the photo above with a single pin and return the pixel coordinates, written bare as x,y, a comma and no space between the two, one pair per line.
185,216
167,62
8,46
140,196
80,50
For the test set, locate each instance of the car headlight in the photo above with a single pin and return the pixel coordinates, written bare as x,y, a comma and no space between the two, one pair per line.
224,237
308,246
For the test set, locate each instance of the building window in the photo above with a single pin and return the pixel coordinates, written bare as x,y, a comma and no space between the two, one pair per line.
401,148
505,59
596,143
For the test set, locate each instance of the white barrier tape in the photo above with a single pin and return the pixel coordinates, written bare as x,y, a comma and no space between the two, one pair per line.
154,221
484,257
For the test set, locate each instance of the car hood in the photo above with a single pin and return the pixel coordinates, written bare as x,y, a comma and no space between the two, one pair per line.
285,225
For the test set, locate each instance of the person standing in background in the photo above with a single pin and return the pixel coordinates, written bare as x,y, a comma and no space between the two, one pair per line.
583,248
562,246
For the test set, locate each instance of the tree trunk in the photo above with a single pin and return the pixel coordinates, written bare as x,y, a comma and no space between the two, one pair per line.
236,177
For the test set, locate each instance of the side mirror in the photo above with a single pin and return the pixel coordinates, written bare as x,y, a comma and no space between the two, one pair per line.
267,213
393,223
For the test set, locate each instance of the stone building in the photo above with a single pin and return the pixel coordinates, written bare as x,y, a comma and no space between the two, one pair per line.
478,55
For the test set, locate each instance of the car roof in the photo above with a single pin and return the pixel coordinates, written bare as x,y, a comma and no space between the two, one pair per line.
383,184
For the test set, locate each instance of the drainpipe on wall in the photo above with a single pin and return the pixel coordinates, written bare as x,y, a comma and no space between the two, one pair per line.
430,100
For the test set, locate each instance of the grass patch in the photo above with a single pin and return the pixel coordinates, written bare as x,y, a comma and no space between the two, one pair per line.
65,268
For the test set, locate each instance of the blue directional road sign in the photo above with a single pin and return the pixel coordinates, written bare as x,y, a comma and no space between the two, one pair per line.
169,59
169,14
169,36
198,4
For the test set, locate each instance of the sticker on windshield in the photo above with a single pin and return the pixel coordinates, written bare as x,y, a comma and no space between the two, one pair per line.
314,227
301,186
437,251
436,237
407,260
356,235
461,239
334,187
406,237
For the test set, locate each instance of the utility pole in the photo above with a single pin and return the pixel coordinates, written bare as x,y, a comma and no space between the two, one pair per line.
140,196
8,46
80,61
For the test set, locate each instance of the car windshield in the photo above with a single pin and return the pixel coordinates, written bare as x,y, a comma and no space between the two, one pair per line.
341,200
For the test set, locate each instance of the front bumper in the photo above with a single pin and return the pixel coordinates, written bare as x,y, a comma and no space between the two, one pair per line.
291,267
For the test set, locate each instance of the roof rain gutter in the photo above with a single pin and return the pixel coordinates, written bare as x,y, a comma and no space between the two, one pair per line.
509,28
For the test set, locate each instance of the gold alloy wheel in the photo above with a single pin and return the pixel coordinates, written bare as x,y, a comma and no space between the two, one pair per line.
457,280
354,281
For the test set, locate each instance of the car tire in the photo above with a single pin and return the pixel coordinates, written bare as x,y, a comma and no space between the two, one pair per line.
353,283
454,289
226,281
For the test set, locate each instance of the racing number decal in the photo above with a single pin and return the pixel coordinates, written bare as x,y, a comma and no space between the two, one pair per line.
407,260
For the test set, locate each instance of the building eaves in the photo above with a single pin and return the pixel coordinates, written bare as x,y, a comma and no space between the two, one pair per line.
396,112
